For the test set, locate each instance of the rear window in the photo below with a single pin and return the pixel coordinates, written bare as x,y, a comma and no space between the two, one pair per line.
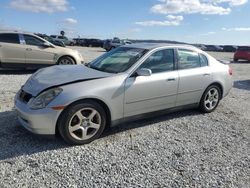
9,38
189,59
203,60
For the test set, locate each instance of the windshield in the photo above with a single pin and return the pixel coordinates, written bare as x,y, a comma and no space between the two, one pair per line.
117,60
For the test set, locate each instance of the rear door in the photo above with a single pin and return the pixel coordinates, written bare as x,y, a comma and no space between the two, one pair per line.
11,51
36,53
194,76
156,92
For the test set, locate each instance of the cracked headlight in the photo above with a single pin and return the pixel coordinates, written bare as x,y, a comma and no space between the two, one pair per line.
42,100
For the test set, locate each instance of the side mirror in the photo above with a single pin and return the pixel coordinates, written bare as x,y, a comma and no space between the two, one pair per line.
46,45
144,72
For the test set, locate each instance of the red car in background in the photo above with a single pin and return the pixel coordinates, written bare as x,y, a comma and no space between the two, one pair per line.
242,53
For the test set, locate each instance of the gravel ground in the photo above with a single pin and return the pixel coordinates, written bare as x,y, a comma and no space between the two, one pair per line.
182,149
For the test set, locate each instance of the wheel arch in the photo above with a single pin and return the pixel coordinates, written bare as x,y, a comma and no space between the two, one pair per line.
100,102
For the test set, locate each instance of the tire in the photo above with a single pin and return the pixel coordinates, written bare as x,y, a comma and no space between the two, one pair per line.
66,60
210,99
76,126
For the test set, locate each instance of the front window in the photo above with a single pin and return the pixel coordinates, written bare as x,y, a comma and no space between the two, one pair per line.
118,60
160,61
31,40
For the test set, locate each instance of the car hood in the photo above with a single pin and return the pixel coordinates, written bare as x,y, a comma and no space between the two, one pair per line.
60,75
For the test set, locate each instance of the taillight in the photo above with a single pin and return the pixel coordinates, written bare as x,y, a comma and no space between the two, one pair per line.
230,71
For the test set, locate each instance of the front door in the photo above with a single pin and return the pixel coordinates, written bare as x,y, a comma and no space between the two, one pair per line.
36,53
156,92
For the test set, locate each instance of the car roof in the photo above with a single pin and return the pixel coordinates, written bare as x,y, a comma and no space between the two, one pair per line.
16,32
150,46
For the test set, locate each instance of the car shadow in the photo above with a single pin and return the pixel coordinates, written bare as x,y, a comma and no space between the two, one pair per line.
149,120
242,84
16,141
15,71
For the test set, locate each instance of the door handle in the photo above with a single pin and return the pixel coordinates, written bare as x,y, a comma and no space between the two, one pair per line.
28,49
170,79
206,74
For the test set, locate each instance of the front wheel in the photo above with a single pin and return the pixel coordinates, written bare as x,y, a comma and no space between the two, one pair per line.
66,61
210,99
82,123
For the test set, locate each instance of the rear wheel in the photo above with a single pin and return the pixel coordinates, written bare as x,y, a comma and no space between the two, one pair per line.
66,61
210,99
82,123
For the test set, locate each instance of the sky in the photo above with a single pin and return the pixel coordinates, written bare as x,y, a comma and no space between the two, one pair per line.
192,21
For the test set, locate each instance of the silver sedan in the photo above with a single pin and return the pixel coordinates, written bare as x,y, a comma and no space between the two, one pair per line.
129,82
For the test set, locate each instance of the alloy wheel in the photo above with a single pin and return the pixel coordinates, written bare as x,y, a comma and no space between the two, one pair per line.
211,99
65,61
85,123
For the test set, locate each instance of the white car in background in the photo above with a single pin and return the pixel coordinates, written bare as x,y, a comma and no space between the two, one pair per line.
27,50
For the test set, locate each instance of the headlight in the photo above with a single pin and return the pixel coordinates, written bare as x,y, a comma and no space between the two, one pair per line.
42,100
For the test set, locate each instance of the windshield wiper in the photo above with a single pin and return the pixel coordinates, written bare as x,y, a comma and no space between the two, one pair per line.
100,69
